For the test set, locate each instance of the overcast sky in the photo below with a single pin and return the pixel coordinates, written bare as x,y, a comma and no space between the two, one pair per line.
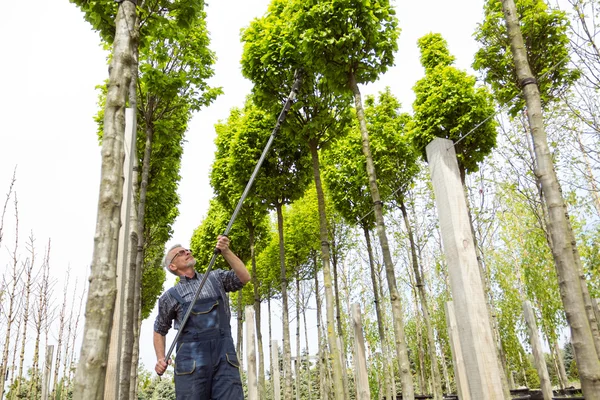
51,64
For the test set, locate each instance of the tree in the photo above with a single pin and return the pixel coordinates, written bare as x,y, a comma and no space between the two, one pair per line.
545,42
351,43
564,251
89,379
175,63
269,59
449,105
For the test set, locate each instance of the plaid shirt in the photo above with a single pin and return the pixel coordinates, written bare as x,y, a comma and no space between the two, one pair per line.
217,284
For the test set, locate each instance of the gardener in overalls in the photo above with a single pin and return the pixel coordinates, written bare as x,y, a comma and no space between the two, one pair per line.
206,365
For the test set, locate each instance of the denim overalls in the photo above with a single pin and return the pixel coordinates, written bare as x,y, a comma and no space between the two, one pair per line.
206,366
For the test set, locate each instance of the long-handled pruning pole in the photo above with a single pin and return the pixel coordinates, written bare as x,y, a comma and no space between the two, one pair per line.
280,119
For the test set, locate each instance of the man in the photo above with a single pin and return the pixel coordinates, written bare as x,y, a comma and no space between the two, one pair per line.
206,365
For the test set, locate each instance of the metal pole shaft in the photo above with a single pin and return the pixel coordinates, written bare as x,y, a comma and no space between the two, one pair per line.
280,119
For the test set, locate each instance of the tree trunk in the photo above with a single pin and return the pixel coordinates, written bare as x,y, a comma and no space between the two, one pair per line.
334,351
435,370
563,249
401,347
445,370
91,371
387,386
560,365
287,350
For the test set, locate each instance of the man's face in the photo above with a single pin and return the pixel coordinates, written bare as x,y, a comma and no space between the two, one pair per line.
181,259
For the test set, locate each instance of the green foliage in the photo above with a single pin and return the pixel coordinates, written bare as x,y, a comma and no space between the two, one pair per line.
546,42
156,387
301,234
204,238
393,151
270,59
570,362
345,174
589,249
101,14
449,105
153,277
340,38
174,65
393,155
533,378
434,52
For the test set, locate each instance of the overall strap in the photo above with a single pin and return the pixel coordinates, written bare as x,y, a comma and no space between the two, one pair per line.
173,292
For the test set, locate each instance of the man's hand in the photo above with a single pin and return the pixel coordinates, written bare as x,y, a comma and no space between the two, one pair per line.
223,244
161,366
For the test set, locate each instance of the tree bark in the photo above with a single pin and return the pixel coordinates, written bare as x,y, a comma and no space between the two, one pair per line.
334,351
91,371
401,347
563,249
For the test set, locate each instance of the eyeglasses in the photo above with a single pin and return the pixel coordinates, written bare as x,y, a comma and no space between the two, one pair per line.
180,253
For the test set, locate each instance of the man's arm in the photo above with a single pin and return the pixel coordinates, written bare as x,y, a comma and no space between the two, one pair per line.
234,262
159,348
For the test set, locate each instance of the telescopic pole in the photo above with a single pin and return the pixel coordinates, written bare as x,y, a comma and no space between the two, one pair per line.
280,119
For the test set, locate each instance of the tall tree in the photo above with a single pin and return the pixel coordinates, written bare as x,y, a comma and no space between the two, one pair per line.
449,105
89,379
352,43
240,144
269,60
545,42
564,251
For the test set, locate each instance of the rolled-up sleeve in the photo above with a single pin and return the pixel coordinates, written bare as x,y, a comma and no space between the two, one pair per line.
166,314
231,282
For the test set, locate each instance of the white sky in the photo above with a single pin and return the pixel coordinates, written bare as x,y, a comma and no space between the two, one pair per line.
51,63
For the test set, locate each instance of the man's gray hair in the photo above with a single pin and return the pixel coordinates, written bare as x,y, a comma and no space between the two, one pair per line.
166,261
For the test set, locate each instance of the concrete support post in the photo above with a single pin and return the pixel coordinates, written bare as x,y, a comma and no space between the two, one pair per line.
472,317
360,361
538,352
113,367
251,354
275,379
47,371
